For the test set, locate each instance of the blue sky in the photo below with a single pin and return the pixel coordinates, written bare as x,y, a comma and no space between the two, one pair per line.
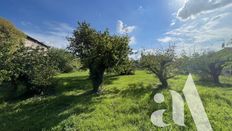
150,23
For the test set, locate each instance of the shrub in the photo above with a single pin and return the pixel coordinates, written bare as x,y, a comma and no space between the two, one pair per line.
65,61
32,68
23,67
10,40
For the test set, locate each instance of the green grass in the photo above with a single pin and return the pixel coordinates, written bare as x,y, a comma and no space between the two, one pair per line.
125,104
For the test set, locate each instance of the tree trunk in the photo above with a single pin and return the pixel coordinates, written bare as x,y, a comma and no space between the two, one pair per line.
216,79
164,83
215,73
97,77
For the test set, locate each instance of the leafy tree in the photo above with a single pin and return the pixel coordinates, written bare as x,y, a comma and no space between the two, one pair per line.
125,68
98,51
64,60
162,63
210,65
35,68
184,65
30,68
10,40
22,65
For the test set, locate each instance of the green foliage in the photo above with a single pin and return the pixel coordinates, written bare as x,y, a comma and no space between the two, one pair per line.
184,64
125,68
98,51
209,66
162,63
21,66
30,68
10,40
65,61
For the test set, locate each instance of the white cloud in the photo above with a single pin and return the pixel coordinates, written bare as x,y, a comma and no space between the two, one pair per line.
166,39
124,29
132,40
173,23
136,54
206,32
54,35
194,7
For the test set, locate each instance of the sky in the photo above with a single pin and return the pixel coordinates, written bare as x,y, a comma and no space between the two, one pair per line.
190,24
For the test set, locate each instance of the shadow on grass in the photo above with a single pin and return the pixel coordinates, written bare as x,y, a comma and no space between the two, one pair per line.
79,82
110,78
213,85
137,90
217,97
70,83
45,113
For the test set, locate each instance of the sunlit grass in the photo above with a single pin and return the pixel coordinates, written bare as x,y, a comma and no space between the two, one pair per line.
125,104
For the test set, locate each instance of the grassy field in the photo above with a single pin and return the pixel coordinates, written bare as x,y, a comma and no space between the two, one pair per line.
126,104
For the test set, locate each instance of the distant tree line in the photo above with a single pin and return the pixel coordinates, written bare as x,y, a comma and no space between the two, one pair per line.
209,65
165,64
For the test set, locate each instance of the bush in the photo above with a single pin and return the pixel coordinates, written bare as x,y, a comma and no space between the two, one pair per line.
64,60
33,69
23,69
10,40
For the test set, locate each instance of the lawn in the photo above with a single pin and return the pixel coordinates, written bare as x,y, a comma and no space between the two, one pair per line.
125,104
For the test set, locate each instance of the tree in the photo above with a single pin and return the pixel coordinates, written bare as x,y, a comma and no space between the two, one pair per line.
10,39
64,60
20,65
184,65
162,63
125,68
35,68
30,68
98,51
209,66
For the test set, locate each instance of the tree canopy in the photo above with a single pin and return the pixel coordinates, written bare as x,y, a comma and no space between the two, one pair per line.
210,65
98,51
162,63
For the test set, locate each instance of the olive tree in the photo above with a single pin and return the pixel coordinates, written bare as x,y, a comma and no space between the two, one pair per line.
162,63
98,51
209,65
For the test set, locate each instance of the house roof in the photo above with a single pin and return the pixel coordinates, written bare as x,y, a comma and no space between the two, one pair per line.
36,41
